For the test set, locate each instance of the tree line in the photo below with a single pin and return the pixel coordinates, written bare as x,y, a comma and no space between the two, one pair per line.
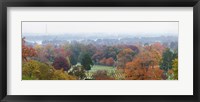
73,61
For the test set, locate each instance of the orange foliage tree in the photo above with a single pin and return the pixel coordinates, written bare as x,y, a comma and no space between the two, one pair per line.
102,61
124,56
135,70
110,61
145,66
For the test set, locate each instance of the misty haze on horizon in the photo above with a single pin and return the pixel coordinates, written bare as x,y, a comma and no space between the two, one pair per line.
100,32
100,29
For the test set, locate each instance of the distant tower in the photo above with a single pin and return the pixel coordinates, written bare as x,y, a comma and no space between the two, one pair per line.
46,29
118,37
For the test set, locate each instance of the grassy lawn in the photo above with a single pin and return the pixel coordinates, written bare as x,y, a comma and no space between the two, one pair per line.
111,71
101,67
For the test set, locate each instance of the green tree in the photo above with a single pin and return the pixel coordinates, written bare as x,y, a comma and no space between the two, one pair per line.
86,61
167,58
175,55
73,59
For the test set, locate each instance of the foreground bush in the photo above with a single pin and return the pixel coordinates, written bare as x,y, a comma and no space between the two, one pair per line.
78,71
102,75
34,70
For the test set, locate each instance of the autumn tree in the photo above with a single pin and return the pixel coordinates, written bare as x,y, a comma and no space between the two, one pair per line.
103,61
30,70
135,70
144,64
147,58
49,52
133,47
153,74
61,63
35,70
97,56
105,52
27,51
61,75
151,56
124,56
175,68
158,47
110,61
61,51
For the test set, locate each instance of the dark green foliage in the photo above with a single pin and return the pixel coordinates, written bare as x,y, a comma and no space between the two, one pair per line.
167,58
175,55
86,61
73,59
110,52
90,49
146,44
75,48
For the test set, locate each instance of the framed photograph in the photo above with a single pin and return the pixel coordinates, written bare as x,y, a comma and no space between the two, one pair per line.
88,50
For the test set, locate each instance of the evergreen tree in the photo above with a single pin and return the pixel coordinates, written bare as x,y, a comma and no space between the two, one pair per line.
73,60
86,61
167,60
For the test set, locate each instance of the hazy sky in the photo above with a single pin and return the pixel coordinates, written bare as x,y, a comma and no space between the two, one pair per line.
137,28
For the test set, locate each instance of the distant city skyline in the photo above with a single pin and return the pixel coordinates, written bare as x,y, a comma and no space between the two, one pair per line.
104,28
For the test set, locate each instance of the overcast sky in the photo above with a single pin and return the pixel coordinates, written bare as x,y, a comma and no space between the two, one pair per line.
137,28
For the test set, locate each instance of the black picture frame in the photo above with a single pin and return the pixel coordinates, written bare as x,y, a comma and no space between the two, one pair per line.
99,3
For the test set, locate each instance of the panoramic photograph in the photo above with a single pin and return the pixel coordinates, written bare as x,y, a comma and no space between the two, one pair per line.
99,50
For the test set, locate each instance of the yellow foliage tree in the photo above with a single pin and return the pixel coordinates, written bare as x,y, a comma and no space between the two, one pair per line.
175,68
34,70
